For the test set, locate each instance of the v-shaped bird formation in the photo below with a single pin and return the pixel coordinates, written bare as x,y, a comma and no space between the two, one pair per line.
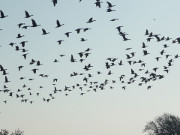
139,72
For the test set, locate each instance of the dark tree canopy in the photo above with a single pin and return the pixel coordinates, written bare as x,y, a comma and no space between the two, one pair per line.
166,124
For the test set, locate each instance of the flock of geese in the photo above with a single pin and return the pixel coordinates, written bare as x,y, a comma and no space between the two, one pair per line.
139,73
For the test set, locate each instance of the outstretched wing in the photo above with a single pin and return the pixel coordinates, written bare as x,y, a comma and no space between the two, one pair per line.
26,13
2,14
33,22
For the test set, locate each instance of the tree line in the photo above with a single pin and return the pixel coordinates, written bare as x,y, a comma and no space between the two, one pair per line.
166,124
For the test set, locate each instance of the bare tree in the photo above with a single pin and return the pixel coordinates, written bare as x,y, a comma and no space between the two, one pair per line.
166,124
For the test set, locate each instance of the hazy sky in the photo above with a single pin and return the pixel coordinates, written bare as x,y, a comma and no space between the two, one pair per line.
105,112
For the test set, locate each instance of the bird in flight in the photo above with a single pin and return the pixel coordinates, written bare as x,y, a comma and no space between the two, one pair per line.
78,30
110,5
6,80
114,19
72,59
60,41
119,28
82,39
2,14
58,24
5,101
34,24
20,24
91,20
27,15
19,36
67,33
44,32
109,10
98,3
20,67
23,43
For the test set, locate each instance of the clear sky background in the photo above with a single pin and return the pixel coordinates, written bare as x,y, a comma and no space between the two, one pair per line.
105,112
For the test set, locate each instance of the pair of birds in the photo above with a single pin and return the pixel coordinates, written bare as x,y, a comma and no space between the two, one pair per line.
123,34
27,15
98,4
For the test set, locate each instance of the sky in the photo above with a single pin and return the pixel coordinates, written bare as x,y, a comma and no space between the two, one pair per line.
104,112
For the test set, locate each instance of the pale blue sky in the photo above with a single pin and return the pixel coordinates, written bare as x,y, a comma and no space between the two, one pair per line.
107,112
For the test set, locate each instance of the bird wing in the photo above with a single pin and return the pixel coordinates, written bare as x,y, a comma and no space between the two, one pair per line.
44,31
26,13
2,14
33,22
58,23
6,79
109,4
72,58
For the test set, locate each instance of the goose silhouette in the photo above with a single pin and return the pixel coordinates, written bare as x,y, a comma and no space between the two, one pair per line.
58,24
91,20
34,24
27,15
2,14
44,32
